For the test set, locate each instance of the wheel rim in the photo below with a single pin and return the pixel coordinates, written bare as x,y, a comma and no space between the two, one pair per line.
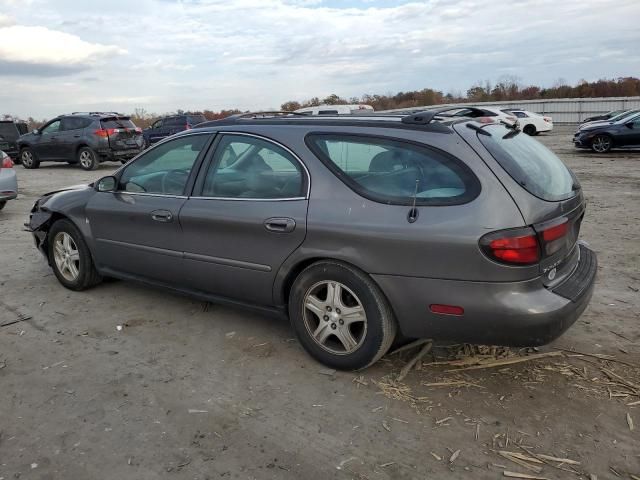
27,158
86,159
601,144
66,256
334,317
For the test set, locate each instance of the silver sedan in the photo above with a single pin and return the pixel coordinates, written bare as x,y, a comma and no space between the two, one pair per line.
8,180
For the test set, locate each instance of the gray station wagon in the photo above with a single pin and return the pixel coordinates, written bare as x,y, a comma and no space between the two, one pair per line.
357,228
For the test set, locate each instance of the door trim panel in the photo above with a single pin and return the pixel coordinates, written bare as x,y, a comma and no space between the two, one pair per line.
227,262
144,248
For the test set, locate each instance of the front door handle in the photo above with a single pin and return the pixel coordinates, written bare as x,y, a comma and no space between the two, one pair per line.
164,216
280,224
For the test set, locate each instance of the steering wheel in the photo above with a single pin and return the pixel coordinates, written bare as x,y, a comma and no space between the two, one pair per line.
174,181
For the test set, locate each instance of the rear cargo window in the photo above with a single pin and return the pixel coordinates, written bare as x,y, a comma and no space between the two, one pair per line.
393,171
530,163
122,122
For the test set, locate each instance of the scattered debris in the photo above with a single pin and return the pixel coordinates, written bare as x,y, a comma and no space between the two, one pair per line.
491,362
360,381
454,456
436,456
119,328
230,334
522,460
21,318
327,371
344,462
410,364
506,473
388,464
630,422
410,346
193,410
386,426
443,420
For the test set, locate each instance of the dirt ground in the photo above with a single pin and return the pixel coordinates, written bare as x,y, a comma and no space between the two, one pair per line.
188,390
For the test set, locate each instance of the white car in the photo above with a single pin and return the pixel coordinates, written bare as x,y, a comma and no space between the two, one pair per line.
336,109
493,113
8,180
531,123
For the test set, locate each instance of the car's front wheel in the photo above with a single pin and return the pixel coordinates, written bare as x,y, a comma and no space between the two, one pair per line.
529,129
340,316
70,257
87,159
28,158
601,143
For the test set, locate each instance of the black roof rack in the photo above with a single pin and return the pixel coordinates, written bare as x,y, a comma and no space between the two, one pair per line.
97,114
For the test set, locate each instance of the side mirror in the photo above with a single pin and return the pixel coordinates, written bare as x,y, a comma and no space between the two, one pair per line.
629,124
36,131
107,184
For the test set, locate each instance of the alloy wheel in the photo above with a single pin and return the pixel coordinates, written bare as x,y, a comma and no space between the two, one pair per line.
27,158
601,144
66,256
86,159
334,317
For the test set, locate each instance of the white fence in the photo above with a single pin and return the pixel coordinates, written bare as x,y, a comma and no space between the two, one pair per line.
563,110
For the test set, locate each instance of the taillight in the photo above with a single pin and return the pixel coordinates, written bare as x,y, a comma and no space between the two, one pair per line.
138,130
6,162
547,119
517,246
553,237
102,132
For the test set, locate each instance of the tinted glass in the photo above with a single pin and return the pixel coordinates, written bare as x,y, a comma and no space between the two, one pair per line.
164,169
52,127
530,163
74,123
391,171
121,122
22,128
247,167
8,130
195,119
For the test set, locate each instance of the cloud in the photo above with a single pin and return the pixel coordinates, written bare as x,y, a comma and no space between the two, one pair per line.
41,51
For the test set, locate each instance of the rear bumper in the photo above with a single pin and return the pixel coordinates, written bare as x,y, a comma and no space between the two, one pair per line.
117,155
510,313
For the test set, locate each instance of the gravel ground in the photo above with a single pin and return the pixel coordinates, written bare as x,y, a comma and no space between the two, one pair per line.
197,391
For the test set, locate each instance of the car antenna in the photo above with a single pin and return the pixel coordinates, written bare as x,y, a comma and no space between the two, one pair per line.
413,213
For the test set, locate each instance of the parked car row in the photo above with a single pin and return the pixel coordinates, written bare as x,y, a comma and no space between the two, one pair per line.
355,227
618,131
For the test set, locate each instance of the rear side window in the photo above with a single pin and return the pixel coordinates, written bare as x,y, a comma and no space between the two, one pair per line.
393,172
530,163
120,122
75,123
195,119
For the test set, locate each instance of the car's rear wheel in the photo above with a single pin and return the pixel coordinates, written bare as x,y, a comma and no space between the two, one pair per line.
601,143
70,257
87,159
28,158
529,129
340,316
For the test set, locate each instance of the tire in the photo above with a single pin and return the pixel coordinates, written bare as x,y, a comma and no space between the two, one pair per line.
529,129
83,274
87,159
2,204
28,158
369,338
601,143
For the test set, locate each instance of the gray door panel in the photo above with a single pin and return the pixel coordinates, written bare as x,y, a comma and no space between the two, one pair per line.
230,251
138,234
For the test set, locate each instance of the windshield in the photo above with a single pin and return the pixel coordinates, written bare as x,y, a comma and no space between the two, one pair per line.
536,168
623,115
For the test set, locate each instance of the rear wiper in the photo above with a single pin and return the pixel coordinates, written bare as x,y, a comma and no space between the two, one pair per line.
478,129
510,134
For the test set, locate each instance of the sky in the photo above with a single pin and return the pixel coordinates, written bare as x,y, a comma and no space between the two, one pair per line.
59,56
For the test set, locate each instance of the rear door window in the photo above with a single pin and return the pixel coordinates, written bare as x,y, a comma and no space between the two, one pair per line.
394,172
120,122
195,119
536,168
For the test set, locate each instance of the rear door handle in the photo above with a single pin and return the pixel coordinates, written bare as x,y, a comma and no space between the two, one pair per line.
280,224
164,216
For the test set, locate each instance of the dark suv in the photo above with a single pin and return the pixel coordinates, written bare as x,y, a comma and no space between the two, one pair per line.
10,130
82,138
167,126
356,228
